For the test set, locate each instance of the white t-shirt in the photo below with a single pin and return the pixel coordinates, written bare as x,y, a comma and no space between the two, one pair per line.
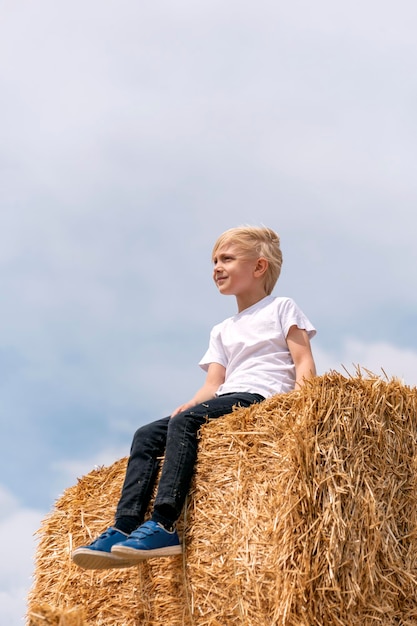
252,347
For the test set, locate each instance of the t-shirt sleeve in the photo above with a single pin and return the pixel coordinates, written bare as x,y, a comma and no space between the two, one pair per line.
215,352
291,315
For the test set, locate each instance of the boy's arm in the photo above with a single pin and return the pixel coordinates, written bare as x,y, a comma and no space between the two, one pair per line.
300,350
215,377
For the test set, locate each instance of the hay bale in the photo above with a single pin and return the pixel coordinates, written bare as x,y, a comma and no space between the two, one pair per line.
303,512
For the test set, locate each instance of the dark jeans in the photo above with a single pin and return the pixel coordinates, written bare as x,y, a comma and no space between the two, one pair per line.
176,438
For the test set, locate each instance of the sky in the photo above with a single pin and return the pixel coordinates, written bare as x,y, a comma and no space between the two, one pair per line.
132,135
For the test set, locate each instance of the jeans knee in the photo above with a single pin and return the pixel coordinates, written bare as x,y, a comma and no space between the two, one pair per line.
143,431
140,435
152,434
187,421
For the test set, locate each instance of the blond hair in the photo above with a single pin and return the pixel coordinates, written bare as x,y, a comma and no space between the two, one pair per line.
257,241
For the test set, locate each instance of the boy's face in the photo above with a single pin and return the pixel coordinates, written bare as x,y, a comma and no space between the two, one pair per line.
234,271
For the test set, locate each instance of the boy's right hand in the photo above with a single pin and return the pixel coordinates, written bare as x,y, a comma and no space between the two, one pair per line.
181,408
215,377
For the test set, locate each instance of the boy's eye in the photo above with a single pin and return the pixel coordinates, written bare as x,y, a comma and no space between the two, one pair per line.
223,259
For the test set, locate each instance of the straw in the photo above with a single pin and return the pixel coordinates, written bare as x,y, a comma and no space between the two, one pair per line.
302,512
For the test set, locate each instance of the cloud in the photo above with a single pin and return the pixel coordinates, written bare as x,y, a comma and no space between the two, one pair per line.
70,469
17,545
381,358
131,139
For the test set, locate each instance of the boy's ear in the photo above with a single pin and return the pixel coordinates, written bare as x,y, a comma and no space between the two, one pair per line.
261,266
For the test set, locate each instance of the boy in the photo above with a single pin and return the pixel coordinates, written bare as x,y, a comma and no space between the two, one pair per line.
262,350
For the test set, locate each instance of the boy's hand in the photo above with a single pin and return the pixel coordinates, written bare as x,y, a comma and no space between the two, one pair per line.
215,377
181,408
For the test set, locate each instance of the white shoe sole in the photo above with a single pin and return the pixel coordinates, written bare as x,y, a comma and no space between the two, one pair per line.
94,559
134,555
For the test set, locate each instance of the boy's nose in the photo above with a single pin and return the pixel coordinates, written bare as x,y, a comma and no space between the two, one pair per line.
216,272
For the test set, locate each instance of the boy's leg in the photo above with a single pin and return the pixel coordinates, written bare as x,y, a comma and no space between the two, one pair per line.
181,451
157,537
148,446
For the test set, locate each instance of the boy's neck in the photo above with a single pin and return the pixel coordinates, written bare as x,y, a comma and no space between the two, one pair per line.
248,300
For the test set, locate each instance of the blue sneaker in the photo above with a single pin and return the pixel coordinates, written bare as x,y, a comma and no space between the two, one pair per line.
98,554
149,540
